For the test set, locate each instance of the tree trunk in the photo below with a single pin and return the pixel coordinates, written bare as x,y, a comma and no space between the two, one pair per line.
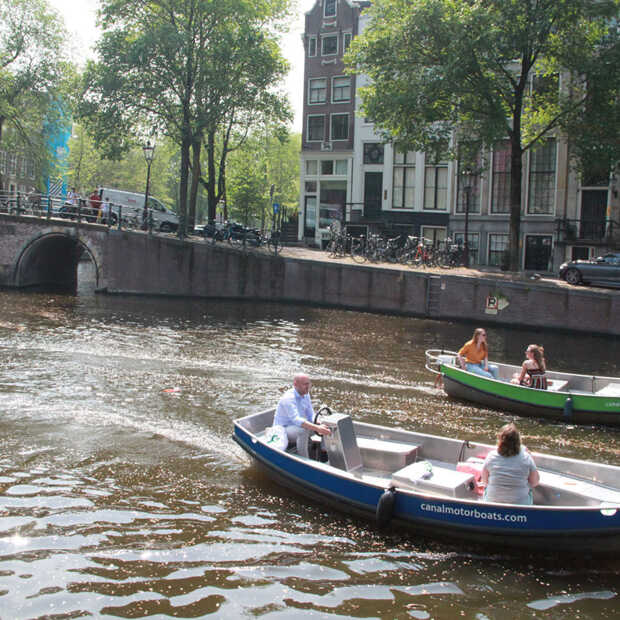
191,218
211,191
516,171
186,142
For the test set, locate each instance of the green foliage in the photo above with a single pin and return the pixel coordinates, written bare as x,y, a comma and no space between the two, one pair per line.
190,70
89,169
439,67
33,73
263,161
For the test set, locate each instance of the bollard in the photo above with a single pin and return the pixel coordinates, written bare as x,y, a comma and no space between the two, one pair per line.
120,216
568,409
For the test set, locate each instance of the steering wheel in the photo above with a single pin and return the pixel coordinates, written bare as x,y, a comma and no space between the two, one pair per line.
314,447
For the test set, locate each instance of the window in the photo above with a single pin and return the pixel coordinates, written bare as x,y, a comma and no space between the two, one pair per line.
312,46
341,166
329,45
31,168
472,245
12,163
500,199
312,167
373,153
347,40
2,162
23,166
316,127
542,179
317,90
310,186
403,190
498,244
327,166
340,127
341,89
329,8
436,187
310,216
433,234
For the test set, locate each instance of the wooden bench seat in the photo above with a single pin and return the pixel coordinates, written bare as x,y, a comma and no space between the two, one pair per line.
556,385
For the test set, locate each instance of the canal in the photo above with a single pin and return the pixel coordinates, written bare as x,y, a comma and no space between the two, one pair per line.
122,493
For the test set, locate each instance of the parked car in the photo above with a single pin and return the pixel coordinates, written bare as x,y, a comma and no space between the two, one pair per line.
602,271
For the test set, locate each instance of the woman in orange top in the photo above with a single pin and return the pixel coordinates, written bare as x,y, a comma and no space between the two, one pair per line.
474,355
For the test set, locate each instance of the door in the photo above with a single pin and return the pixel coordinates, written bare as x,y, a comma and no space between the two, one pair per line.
593,211
373,188
537,252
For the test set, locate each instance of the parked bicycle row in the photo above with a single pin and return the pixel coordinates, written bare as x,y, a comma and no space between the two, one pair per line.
237,234
403,249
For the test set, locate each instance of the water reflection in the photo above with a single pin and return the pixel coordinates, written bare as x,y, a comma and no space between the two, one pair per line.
122,493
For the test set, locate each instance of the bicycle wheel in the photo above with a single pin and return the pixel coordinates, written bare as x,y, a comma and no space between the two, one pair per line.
358,253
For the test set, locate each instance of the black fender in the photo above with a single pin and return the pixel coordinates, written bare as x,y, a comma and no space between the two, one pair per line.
385,507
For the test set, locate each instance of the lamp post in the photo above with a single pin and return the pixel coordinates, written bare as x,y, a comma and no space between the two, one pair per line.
149,153
466,176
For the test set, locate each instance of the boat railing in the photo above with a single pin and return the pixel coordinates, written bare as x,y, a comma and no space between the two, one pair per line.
436,357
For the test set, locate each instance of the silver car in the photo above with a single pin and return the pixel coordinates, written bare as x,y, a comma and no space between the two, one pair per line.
601,271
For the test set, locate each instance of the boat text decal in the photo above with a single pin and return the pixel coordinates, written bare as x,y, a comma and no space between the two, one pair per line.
460,511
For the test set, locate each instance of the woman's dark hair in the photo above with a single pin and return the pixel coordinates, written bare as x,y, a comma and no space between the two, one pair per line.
508,440
538,353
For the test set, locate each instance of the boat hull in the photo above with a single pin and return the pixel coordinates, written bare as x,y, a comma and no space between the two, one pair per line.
580,409
575,530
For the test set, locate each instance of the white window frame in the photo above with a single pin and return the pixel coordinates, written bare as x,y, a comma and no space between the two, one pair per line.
310,41
330,36
336,88
311,90
331,126
309,139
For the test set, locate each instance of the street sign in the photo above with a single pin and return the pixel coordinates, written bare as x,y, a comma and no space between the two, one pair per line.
276,207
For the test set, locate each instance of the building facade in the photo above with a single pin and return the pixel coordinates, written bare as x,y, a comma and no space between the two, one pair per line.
349,175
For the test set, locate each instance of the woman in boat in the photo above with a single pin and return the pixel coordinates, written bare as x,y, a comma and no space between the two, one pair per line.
474,355
533,368
509,472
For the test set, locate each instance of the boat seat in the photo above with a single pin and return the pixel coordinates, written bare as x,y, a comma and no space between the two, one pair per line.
556,489
611,389
386,455
556,385
425,476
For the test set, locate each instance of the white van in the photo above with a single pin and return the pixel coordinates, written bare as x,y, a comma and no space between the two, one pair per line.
133,207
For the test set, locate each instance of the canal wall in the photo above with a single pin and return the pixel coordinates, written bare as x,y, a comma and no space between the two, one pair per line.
167,266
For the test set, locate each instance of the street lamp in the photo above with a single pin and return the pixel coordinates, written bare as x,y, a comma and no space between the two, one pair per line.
149,154
466,176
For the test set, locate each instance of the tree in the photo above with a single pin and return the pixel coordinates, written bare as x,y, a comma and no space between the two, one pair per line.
89,169
266,159
183,67
32,70
444,67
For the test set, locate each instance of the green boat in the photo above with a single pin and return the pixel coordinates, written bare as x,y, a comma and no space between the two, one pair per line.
572,398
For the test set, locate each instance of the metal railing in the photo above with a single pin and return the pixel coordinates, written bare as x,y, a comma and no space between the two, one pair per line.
588,230
55,207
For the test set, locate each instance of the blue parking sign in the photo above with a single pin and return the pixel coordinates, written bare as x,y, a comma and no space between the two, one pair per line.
276,207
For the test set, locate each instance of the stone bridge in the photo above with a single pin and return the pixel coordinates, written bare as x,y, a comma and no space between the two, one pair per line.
40,252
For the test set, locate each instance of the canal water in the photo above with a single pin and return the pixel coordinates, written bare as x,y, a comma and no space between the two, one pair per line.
122,493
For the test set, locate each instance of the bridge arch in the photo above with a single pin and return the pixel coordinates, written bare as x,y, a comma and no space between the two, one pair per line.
50,261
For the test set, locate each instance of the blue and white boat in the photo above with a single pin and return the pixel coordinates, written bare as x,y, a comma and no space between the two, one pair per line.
429,484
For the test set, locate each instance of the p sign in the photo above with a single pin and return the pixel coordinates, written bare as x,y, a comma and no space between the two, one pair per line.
276,207
492,305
